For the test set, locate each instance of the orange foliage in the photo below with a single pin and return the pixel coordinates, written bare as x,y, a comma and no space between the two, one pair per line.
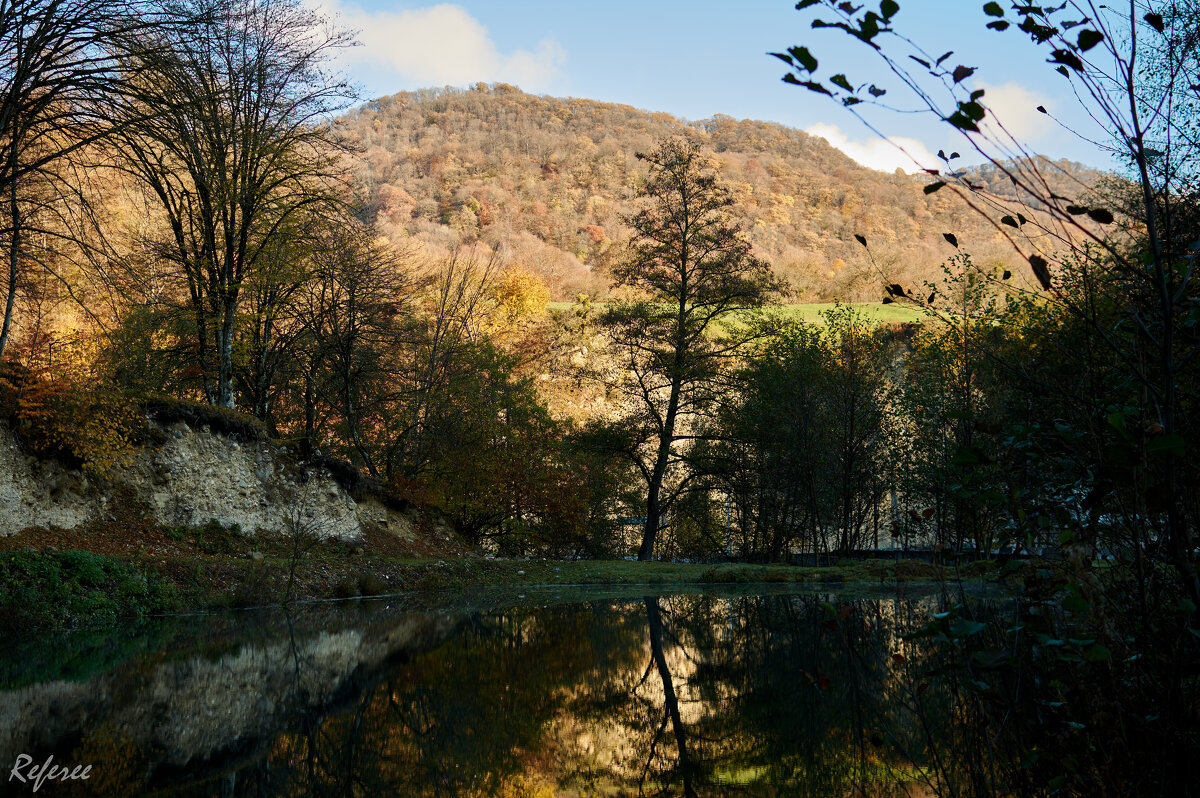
94,429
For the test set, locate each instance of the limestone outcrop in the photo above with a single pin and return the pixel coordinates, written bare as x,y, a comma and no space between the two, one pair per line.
189,476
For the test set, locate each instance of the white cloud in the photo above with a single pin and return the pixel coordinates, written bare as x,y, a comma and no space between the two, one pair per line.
442,45
1015,108
886,155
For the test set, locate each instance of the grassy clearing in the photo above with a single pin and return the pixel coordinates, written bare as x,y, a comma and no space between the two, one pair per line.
878,312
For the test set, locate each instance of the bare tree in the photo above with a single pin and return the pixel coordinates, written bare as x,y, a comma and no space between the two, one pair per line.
60,83
358,292
240,143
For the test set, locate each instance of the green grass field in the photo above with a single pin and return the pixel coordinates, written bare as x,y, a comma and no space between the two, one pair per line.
811,312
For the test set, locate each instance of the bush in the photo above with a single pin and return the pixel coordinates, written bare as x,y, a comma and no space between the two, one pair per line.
79,425
62,590
371,585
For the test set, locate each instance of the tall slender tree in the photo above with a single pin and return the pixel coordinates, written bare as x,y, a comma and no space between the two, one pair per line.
694,273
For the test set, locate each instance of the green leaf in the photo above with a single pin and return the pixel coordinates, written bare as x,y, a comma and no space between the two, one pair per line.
803,4
875,91
999,24
1089,39
951,238
860,239
972,109
1101,215
1008,220
965,628
961,73
963,122
889,8
1171,444
1076,604
805,58
869,27
841,82
1041,270
1117,422
932,187
993,10
1156,22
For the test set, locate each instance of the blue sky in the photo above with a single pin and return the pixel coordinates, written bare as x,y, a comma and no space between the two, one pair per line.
696,59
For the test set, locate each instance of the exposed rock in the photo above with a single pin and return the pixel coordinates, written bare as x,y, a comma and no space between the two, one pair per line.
194,476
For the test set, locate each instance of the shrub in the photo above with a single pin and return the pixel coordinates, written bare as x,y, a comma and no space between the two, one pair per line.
61,590
81,426
371,585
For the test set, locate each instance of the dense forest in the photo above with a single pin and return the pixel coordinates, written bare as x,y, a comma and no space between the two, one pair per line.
184,224
548,183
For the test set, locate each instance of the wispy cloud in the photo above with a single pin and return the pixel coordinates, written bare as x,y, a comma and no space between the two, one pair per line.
1014,108
886,155
442,45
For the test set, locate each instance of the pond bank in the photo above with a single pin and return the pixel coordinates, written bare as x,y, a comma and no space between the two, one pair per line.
55,580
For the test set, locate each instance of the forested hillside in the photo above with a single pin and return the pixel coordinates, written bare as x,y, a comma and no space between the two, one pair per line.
547,182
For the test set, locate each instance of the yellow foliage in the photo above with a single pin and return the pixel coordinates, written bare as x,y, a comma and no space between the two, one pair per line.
521,295
521,787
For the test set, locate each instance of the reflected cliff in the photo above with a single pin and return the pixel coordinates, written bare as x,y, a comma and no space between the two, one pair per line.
688,695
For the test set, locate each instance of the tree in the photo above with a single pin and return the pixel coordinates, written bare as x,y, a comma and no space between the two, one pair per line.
1077,404
694,275
240,143
351,308
60,81
800,448
1135,69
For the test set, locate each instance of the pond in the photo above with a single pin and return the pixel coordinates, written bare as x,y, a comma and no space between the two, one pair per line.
609,692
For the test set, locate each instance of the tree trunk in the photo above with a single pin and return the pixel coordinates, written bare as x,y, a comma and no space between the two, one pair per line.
654,620
14,250
654,489
225,355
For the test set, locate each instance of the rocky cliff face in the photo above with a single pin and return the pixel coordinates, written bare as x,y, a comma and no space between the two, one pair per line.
190,477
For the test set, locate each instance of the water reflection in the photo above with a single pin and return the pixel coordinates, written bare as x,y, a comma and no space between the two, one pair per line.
690,695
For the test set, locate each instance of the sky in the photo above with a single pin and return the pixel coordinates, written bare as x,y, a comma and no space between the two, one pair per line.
701,58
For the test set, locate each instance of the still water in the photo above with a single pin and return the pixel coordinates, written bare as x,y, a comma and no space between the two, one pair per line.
594,694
